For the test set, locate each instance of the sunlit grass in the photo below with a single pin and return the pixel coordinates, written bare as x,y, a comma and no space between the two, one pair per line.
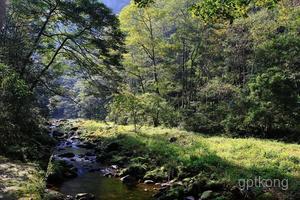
230,158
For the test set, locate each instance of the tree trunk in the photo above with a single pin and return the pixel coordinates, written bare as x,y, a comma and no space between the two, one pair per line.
156,120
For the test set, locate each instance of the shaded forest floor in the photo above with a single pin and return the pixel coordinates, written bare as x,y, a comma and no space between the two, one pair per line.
20,180
172,155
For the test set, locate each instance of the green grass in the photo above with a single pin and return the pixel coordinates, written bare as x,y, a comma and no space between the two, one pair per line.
222,158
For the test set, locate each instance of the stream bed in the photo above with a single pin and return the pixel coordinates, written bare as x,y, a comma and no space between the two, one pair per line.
91,175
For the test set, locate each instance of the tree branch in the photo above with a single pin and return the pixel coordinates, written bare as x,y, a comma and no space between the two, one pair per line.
37,40
49,64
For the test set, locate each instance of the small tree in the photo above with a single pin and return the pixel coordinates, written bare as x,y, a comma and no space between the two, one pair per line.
158,110
126,107
148,108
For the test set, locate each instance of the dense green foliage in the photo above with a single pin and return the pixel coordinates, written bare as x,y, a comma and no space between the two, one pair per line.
17,110
215,77
181,68
212,10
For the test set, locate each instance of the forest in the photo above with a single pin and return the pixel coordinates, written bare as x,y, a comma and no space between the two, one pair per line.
181,99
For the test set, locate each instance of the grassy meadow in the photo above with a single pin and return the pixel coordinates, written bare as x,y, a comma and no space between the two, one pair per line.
217,158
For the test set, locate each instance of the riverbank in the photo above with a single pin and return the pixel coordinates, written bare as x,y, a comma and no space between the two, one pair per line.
111,161
76,172
19,180
186,164
23,167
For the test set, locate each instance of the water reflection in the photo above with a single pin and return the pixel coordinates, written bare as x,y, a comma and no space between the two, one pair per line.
103,188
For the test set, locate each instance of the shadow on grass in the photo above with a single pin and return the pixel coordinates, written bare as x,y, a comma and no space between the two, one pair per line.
194,159
7,196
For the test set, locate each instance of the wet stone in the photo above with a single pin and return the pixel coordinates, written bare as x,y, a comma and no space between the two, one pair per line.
84,196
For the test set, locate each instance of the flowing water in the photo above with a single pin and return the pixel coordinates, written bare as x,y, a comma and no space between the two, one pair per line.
91,177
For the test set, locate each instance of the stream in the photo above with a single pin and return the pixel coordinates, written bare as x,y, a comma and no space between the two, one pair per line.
91,175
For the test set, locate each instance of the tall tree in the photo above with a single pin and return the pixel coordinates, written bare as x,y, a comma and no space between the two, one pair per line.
42,40
82,34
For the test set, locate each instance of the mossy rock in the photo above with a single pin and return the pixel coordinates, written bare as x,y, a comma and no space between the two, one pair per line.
53,195
214,185
196,187
158,174
55,171
266,196
209,194
119,160
136,170
172,193
59,170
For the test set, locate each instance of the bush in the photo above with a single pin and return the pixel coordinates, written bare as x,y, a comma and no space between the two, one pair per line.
19,118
